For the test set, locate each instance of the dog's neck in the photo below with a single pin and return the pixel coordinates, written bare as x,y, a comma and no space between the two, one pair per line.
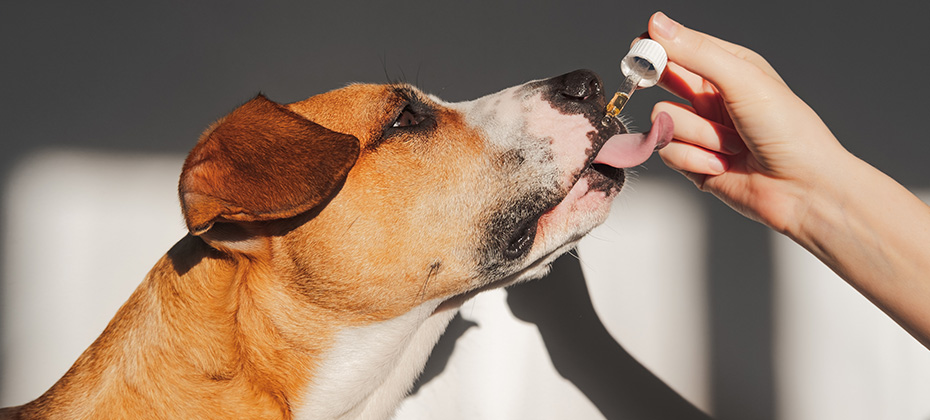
369,369
205,327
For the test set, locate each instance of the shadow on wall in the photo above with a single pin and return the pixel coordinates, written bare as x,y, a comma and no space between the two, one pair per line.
557,357
580,347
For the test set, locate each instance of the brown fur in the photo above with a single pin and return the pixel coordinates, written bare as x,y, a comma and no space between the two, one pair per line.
262,162
231,323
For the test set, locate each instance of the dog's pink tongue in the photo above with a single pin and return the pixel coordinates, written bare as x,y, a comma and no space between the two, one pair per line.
628,150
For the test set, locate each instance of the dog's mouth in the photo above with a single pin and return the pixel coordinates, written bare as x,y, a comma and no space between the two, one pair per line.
600,179
605,170
526,236
626,150
603,173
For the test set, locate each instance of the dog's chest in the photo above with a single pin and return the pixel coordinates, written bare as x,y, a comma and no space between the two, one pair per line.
370,368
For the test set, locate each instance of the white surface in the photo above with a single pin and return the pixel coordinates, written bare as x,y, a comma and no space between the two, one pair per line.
500,370
837,355
645,272
81,232
82,229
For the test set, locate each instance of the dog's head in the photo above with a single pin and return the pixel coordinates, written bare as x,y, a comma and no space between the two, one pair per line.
377,198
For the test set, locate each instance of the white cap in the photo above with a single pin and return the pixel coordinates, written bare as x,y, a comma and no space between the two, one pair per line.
652,52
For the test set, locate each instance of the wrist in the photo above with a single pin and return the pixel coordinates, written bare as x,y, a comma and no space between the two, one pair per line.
826,198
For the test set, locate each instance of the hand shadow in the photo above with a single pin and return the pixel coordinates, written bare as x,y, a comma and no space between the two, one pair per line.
587,355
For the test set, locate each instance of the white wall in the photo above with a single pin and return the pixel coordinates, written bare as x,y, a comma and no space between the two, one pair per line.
82,229
837,355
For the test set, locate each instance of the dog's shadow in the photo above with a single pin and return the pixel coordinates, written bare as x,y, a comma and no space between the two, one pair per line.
580,348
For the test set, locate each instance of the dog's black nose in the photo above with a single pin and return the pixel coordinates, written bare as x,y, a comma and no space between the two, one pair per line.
579,85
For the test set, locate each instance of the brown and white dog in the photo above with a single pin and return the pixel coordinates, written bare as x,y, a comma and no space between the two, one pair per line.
332,239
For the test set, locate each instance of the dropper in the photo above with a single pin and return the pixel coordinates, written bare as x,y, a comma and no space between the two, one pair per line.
642,67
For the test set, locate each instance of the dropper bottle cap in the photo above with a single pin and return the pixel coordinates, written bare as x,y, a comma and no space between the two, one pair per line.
652,53
642,67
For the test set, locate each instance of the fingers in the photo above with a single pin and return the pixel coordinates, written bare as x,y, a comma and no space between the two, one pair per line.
738,72
746,54
703,96
683,83
692,160
692,128
700,146
735,49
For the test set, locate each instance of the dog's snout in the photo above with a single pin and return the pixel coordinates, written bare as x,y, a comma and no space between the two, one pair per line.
580,85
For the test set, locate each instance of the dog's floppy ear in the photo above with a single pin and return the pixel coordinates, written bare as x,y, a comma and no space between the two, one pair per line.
262,162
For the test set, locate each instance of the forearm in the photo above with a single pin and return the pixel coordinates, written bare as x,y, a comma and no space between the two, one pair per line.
875,234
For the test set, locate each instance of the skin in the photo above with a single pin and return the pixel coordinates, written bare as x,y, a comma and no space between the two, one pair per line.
750,141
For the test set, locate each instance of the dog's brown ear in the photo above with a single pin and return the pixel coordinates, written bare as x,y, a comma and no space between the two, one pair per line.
262,162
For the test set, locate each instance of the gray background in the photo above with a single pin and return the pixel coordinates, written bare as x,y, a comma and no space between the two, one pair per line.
148,78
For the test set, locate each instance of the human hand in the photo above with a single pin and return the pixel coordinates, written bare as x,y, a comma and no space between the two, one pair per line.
746,138
753,143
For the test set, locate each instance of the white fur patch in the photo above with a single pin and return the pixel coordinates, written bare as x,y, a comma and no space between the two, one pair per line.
567,135
514,120
369,369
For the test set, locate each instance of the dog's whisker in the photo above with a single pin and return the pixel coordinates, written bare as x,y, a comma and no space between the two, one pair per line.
433,270
348,228
422,294
387,76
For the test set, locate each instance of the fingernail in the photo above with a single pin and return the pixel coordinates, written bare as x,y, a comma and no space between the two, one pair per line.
664,26
716,165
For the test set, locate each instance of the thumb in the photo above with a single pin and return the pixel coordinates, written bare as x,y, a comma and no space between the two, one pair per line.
726,66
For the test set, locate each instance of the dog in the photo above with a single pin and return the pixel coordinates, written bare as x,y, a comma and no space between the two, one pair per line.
332,240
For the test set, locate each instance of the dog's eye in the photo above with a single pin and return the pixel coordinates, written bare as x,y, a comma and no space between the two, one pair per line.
408,118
